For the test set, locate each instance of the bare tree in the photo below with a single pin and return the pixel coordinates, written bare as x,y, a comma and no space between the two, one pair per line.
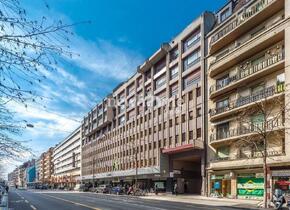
9,147
28,49
261,127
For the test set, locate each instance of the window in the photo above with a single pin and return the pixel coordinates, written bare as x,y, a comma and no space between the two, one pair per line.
183,137
174,90
222,104
225,14
160,65
190,81
174,54
176,120
190,115
192,59
160,81
198,92
147,75
131,102
280,82
222,130
183,118
190,41
176,139
223,152
190,134
198,133
174,72
198,112
122,120
170,123
222,82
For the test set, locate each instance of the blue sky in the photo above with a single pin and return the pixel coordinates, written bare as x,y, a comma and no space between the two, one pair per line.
123,33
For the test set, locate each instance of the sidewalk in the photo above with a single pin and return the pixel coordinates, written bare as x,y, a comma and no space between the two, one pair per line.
196,199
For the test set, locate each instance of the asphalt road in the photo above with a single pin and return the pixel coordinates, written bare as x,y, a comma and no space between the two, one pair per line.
34,200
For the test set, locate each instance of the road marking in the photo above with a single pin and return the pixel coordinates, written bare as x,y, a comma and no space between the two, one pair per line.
33,207
26,201
202,207
79,204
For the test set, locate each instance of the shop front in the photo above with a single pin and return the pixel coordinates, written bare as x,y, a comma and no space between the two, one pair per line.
250,187
281,180
221,185
236,184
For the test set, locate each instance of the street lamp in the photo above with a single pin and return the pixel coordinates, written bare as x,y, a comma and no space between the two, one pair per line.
29,125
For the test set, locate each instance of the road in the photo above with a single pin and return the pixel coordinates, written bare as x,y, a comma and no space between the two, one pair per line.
49,200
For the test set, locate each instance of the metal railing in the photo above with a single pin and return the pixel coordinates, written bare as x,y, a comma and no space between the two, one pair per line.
243,17
259,65
263,94
252,154
257,128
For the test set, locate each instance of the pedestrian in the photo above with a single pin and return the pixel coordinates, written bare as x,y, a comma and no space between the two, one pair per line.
175,189
156,189
7,188
185,187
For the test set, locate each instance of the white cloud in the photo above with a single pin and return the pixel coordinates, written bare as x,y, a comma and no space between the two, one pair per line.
105,59
45,122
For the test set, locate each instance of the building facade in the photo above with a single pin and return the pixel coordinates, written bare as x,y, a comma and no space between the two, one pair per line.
248,76
149,129
67,161
45,167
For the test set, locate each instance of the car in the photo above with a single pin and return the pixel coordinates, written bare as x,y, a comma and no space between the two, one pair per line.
84,188
103,189
117,190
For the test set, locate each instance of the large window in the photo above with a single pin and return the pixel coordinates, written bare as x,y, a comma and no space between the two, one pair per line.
160,82
192,59
122,120
190,41
225,14
221,82
174,90
190,81
222,130
174,54
174,72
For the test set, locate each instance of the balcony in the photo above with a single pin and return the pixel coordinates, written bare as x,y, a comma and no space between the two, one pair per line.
267,93
252,15
257,128
251,155
251,72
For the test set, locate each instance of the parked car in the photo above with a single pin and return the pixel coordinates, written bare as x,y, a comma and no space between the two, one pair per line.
117,190
84,188
103,189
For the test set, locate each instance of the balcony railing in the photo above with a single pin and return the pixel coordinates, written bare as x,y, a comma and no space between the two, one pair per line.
243,17
257,128
251,155
259,65
263,94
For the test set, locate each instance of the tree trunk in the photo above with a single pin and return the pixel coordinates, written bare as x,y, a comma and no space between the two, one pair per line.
265,182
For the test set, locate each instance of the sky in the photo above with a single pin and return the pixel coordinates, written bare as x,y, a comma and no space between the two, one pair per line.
121,35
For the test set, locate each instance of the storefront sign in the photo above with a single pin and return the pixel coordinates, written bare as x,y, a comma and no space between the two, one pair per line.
250,186
281,173
213,177
177,172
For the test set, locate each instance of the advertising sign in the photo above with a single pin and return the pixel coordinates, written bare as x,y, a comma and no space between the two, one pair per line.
250,186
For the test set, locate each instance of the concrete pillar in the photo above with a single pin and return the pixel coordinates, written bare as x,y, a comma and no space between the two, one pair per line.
234,186
287,80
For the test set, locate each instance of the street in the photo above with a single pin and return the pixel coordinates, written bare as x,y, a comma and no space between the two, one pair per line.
60,200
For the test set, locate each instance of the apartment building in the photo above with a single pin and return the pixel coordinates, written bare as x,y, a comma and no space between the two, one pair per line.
149,129
67,161
45,170
248,76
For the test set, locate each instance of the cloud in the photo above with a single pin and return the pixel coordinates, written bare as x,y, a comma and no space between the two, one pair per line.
46,123
105,59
